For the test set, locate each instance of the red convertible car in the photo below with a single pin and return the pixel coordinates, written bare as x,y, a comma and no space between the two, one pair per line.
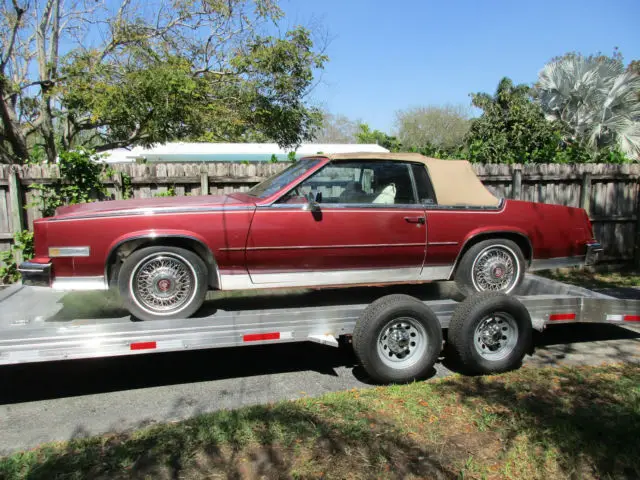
327,220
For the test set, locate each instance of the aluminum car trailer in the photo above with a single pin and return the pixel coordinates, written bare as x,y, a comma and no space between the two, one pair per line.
396,337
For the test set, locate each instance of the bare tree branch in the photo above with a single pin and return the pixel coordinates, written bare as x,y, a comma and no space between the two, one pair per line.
41,35
13,35
54,42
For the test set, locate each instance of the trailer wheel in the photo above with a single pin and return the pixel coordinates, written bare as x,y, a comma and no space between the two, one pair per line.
163,283
397,339
490,332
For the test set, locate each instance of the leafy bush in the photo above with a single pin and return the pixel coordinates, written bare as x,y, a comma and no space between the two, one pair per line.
171,192
81,181
443,127
432,151
8,267
513,129
127,187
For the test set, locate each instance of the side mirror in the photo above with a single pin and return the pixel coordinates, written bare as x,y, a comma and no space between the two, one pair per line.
313,204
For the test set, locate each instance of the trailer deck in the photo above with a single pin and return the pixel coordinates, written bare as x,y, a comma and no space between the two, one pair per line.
39,325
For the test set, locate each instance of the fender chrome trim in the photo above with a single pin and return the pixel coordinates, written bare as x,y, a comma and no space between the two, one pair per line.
154,211
155,236
492,232
557,262
79,284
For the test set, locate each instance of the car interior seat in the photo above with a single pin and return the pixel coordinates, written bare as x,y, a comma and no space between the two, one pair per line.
393,188
352,193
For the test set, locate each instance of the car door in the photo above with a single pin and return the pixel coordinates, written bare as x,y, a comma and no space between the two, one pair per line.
366,227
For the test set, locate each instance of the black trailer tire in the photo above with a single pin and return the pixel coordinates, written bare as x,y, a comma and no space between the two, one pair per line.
397,339
163,283
496,264
490,332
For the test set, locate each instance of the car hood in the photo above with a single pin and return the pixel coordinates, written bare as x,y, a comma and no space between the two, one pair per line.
118,207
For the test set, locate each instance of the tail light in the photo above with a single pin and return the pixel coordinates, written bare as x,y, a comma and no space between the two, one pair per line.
40,238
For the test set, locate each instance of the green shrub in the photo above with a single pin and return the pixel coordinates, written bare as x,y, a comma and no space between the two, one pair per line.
8,268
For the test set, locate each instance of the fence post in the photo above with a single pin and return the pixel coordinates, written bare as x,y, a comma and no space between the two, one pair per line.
15,205
585,192
119,184
204,182
516,183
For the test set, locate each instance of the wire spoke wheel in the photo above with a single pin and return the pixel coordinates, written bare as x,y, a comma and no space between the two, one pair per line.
163,283
402,342
496,269
496,336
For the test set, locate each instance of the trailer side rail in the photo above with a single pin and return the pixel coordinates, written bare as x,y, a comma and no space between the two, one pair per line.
25,339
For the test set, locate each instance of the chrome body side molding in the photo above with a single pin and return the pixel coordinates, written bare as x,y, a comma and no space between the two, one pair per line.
79,284
594,249
557,262
154,211
333,277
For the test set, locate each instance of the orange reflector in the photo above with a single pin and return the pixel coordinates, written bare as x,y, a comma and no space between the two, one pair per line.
256,337
143,346
562,316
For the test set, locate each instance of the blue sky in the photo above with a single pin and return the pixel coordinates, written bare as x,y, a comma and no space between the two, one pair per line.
386,56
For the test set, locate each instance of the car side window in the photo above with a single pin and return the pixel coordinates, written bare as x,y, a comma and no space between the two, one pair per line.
426,194
365,182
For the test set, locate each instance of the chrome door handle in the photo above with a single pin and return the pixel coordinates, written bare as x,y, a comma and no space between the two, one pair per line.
420,220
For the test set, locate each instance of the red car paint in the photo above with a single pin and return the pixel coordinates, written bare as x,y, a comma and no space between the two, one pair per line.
245,235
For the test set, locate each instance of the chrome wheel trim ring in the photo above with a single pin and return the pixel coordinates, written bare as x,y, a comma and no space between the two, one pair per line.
402,342
163,283
496,336
495,269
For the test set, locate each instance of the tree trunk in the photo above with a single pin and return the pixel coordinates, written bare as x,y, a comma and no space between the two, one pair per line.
47,128
11,128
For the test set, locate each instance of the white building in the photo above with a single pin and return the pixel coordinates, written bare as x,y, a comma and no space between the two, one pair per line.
228,152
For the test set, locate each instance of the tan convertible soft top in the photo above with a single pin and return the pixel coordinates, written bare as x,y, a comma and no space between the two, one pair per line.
454,181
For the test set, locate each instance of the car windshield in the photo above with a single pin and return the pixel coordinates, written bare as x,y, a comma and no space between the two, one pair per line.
284,178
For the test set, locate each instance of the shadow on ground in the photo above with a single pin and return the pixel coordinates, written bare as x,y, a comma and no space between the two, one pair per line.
628,293
107,305
89,305
257,442
41,381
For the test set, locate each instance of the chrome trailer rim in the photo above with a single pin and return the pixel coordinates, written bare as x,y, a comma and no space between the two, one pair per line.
496,336
495,269
163,283
402,342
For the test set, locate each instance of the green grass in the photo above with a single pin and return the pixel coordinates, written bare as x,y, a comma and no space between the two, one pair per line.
532,423
588,279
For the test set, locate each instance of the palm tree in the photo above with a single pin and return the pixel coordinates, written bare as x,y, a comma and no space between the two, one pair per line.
595,98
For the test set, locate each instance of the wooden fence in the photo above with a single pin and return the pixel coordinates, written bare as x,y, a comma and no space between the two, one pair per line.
610,193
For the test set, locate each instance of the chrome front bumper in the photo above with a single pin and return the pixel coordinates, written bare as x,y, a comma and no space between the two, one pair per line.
35,274
593,252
